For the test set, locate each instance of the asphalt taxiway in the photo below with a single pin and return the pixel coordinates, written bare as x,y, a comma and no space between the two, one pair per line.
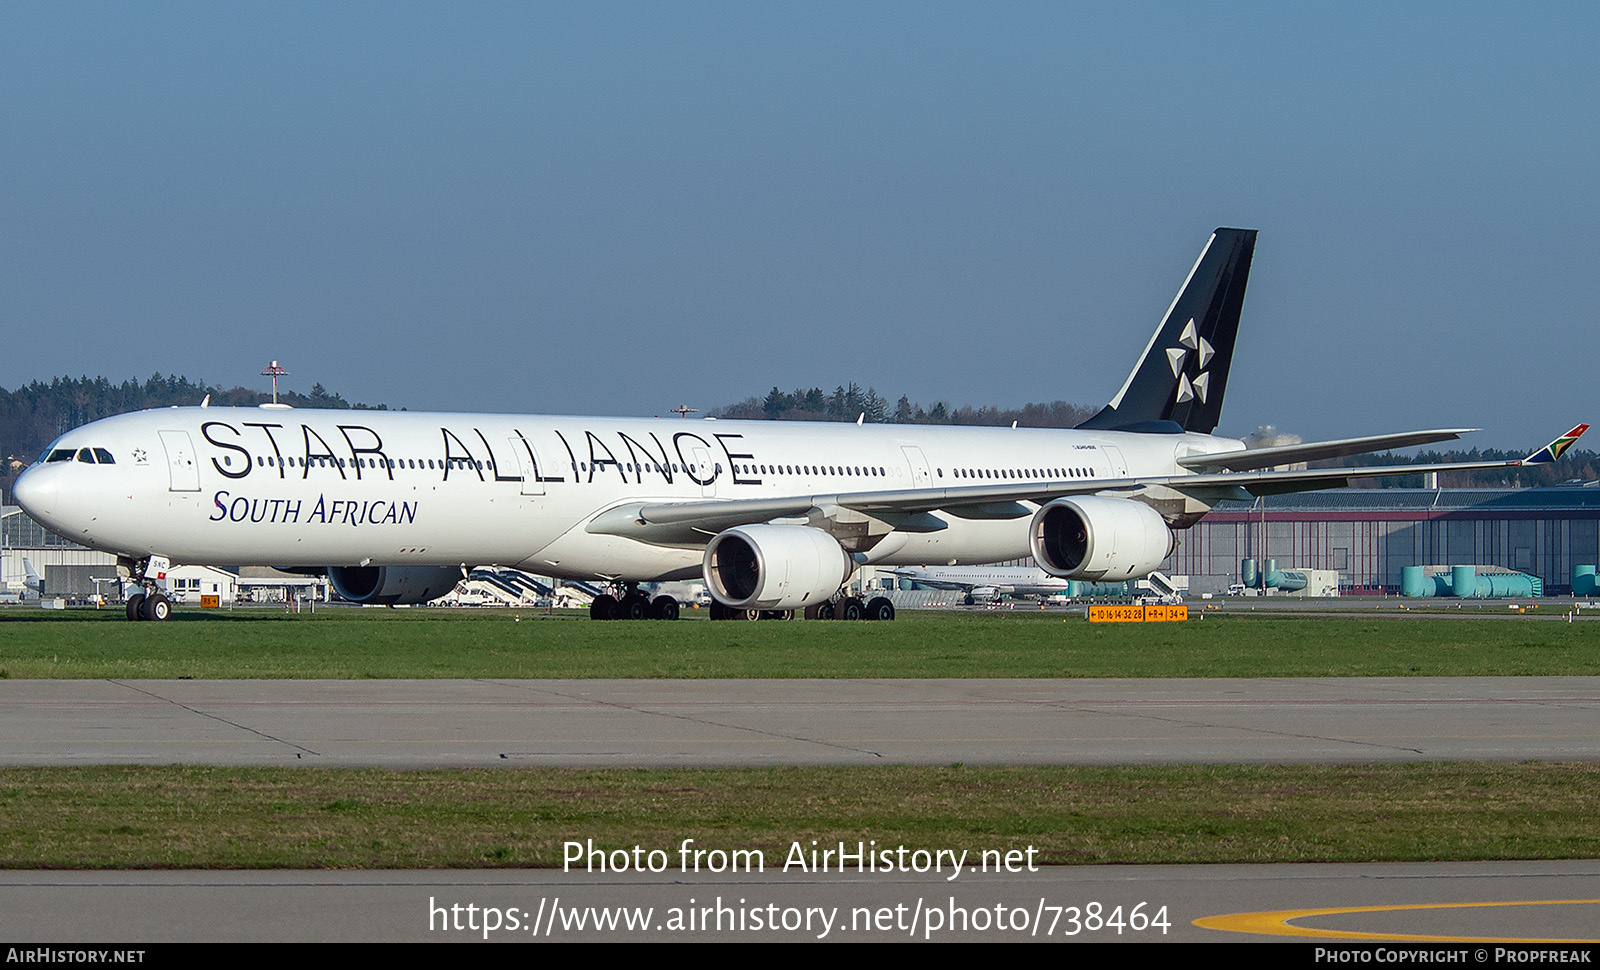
1394,904
472,723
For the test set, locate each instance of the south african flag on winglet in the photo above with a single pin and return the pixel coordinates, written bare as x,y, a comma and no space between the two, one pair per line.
1556,448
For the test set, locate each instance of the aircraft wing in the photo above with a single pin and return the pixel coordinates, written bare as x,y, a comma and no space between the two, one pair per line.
906,509
911,509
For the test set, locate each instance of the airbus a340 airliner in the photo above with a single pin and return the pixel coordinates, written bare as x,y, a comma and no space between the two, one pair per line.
776,516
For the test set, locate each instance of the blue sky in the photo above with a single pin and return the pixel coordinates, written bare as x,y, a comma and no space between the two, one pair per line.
615,208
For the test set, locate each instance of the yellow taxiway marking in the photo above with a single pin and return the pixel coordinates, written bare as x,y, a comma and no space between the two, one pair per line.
1276,922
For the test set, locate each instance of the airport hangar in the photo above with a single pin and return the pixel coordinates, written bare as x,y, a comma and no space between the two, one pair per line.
1368,535
78,574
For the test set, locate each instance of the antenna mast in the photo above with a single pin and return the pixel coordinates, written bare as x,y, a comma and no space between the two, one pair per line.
275,372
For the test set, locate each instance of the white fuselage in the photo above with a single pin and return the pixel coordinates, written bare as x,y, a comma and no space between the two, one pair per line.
323,488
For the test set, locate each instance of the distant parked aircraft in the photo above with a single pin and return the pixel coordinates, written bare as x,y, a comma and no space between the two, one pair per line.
986,582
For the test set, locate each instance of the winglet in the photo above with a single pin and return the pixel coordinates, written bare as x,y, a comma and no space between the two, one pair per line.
1556,448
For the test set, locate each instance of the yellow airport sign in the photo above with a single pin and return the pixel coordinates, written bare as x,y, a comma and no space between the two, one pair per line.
1155,613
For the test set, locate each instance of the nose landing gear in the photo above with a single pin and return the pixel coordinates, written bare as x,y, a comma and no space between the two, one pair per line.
149,603
149,606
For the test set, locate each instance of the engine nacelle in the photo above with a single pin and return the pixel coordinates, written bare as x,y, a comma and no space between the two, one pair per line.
775,567
393,585
1094,538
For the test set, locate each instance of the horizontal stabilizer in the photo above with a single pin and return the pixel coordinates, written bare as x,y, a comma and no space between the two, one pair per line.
1316,450
1280,482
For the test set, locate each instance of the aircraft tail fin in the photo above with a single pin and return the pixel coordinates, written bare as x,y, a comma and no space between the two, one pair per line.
1178,383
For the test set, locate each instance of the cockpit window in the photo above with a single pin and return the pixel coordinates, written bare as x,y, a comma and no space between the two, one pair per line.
104,457
60,454
86,456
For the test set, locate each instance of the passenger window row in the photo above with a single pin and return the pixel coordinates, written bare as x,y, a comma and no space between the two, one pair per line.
100,456
323,461
1039,474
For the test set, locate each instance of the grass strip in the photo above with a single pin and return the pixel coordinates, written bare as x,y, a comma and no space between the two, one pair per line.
434,643
246,818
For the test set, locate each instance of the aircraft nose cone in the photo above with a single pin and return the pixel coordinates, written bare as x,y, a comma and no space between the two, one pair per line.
36,495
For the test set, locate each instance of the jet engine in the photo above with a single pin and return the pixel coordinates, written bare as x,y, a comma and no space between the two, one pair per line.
1094,538
393,585
775,567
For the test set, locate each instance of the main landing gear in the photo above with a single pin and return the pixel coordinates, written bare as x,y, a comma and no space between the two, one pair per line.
722,612
632,604
626,601
848,608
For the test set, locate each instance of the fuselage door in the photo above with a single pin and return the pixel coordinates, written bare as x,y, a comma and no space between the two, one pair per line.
528,460
703,472
919,466
1119,465
181,463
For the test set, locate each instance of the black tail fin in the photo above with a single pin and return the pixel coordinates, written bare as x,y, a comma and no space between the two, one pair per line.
1178,383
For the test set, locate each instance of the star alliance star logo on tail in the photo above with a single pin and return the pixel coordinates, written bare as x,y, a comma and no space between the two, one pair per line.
1188,389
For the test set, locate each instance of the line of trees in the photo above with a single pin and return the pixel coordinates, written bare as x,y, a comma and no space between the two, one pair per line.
848,402
1575,466
35,414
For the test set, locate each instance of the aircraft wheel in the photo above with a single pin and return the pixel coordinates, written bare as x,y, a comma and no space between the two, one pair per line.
664,608
746,614
718,611
879,608
134,602
850,608
825,611
634,606
155,607
967,600
604,607
777,614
